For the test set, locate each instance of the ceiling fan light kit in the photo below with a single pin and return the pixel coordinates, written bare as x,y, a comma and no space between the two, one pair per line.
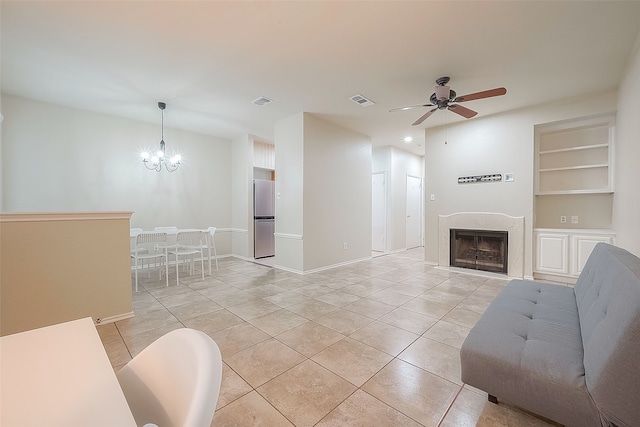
443,99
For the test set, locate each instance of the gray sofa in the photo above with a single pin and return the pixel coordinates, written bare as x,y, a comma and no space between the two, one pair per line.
571,355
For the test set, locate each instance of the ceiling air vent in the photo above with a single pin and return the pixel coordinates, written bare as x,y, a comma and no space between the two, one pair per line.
263,100
361,100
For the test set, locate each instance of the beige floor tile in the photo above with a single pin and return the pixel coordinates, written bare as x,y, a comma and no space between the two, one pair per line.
141,307
287,299
313,290
352,360
461,288
462,317
477,303
312,309
471,409
217,291
108,332
194,309
442,297
402,288
182,298
310,338
250,410
369,286
253,309
389,297
420,395
363,410
369,308
138,342
117,352
232,387
428,308
172,289
234,298
337,298
290,283
385,337
213,322
146,322
409,320
435,357
264,361
448,333
266,290
237,338
343,321
306,393
278,322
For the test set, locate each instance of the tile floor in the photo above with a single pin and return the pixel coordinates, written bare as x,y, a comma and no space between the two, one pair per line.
371,343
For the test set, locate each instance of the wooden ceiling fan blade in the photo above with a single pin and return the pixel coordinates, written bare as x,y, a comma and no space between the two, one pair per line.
463,111
480,95
410,107
424,117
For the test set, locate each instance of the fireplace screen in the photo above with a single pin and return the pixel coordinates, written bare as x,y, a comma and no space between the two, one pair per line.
479,250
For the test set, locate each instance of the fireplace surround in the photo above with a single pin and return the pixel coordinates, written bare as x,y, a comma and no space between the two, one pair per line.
484,221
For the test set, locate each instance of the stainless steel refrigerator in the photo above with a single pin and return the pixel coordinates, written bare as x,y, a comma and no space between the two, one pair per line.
263,218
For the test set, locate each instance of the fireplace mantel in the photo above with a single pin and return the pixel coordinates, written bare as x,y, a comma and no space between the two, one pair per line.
485,221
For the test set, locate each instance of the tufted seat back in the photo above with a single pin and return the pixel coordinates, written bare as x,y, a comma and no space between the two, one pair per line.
608,300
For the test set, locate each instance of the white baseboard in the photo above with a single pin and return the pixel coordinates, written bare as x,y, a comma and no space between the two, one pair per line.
111,319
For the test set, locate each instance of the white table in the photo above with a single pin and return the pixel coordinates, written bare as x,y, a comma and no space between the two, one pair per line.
59,375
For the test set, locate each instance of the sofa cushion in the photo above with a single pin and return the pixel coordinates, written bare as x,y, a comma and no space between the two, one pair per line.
527,349
608,299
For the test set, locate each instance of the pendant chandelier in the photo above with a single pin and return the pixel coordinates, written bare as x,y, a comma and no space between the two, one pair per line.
155,162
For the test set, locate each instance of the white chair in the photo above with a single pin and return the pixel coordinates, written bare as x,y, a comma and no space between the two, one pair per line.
188,243
133,232
171,234
149,246
209,245
175,381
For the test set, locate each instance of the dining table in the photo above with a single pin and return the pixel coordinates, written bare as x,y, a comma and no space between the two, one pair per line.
60,375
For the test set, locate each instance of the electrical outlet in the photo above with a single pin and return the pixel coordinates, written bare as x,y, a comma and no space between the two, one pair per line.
563,219
344,246
574,219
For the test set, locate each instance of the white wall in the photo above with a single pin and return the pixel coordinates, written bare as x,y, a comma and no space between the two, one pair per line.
59,159
397,164
289,138
626,202
324,182
494,144
241,174
337,194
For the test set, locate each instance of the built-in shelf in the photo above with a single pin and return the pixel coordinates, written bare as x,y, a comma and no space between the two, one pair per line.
574,157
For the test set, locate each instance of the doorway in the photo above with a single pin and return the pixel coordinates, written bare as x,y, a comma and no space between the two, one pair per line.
414,212
378,212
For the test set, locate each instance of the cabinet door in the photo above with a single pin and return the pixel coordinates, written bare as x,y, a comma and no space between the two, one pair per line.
581,247
552,253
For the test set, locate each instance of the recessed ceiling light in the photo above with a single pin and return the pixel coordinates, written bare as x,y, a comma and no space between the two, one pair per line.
408,139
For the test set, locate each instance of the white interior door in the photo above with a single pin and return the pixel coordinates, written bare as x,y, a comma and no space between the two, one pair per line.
414,211
378,212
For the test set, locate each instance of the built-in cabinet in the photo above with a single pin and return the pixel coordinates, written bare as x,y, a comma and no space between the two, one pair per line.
574,157
564,252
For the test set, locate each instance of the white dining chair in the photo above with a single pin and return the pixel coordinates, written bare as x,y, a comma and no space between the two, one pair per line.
151,245
188,243
175,381
209,245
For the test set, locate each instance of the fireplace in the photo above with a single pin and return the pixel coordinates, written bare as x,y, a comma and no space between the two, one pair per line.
479,249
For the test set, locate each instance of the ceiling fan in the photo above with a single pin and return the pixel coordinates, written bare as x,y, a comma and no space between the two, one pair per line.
444,97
